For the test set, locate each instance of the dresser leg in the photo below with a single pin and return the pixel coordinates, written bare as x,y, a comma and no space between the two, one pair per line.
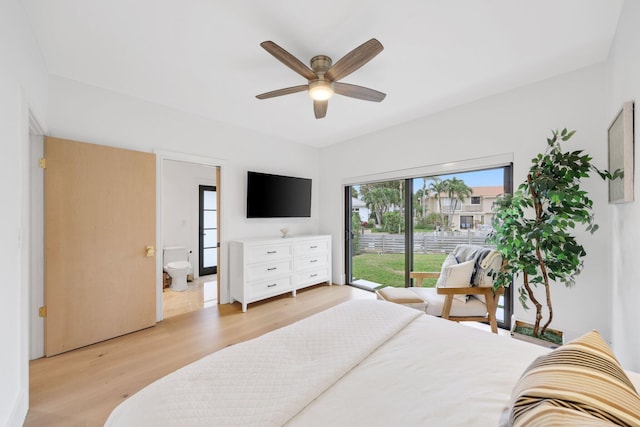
244,307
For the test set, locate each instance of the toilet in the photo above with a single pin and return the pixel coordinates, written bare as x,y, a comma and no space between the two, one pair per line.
176,264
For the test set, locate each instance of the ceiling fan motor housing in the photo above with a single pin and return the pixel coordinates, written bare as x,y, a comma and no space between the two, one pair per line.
320,64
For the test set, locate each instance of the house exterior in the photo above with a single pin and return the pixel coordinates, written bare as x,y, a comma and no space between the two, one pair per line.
476,211
508,127
360,207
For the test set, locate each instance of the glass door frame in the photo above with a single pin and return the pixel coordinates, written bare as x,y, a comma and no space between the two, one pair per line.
205,271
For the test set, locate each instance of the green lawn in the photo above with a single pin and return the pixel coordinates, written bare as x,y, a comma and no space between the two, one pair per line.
388,269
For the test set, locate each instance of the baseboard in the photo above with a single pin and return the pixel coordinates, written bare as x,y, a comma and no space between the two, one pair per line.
19,412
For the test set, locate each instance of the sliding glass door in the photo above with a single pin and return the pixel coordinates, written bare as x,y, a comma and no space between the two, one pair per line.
398,226
377,234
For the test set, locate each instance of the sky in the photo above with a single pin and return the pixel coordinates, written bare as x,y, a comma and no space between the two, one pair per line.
489,177
482,178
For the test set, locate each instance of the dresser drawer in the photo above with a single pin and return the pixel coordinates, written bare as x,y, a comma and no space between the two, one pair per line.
269,269
261,253
310,247
311,277
313,261
267,288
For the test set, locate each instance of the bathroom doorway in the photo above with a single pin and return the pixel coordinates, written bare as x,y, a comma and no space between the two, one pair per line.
190,219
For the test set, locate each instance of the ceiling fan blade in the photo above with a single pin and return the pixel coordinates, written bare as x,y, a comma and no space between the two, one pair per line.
320,108
358,92
289,60
280,92
354,60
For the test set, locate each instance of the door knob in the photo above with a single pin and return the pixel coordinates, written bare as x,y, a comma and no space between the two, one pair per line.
150,250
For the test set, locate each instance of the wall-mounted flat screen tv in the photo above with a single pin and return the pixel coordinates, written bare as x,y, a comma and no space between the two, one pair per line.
277,196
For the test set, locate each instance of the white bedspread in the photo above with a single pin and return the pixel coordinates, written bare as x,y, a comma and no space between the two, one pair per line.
268,380
362,363
432,373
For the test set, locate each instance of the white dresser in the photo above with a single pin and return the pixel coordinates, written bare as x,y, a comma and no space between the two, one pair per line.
262,268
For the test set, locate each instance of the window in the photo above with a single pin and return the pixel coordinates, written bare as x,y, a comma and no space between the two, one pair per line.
466,222
451,204
475,200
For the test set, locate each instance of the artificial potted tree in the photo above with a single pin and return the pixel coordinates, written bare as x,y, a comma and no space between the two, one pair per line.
533,226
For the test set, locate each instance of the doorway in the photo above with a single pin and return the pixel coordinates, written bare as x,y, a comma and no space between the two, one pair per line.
190,202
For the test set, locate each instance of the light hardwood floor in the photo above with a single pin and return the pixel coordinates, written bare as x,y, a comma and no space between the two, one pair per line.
201,293
81,387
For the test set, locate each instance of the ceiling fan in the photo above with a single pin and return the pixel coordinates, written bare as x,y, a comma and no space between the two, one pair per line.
323,75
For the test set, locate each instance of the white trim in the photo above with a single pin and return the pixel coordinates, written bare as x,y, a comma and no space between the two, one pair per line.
36,241
487,162
189,158
35,194
162,155
35,126
28,121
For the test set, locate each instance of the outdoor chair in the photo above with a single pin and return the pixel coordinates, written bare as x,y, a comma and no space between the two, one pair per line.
464,290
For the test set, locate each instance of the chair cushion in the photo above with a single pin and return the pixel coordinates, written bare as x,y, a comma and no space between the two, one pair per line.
487,261
580,383
491,263
455,275
404,296
471,252
399,295
435,304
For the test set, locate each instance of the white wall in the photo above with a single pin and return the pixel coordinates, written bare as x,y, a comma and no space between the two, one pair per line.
180,205
23,87
86,113
514,123
623,77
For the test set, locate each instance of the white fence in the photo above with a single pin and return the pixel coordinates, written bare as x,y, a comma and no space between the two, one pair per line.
443,242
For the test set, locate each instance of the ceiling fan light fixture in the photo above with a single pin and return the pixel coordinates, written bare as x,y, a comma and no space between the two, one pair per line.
320,90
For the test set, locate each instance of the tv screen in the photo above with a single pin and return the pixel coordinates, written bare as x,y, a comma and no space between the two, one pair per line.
277,196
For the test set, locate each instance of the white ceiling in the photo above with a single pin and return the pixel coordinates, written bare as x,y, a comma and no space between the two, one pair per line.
203,56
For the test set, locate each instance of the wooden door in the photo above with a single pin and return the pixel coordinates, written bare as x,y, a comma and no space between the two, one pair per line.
100,233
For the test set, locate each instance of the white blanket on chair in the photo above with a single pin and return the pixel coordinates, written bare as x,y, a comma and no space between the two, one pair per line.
268,380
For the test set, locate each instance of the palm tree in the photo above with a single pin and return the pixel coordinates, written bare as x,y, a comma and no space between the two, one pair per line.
380,199
456,190
419,204
438,187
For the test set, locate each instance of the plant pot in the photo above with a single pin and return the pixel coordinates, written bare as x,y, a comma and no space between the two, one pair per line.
516,324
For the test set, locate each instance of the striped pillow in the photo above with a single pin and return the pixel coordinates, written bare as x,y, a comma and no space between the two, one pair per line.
580,383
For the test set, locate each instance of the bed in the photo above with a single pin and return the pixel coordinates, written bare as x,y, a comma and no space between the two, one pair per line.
363,362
